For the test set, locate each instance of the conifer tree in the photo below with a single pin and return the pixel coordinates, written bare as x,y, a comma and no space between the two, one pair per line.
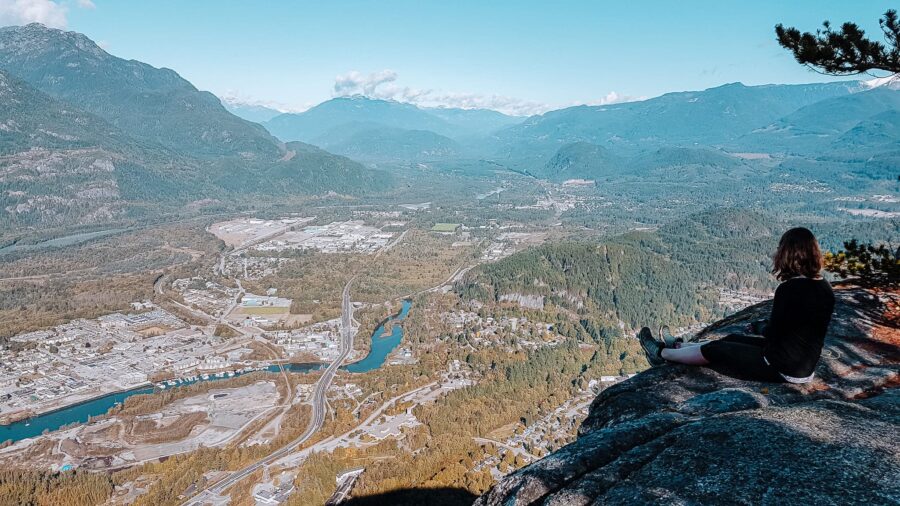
846,50
866,264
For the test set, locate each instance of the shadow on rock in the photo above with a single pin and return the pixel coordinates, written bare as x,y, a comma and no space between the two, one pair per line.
416,497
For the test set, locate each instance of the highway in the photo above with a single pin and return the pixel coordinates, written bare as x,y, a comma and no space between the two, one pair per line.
343,490
319,399
295,459
341,493
348,332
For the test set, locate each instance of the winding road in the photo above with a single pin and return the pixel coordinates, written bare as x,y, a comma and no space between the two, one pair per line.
348,332
319,399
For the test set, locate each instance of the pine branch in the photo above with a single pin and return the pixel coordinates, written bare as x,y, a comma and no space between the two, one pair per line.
845,51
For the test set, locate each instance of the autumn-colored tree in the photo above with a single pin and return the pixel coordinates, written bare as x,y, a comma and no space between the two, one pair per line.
866,264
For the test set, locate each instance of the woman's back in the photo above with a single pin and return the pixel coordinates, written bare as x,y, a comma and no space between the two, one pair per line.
796,330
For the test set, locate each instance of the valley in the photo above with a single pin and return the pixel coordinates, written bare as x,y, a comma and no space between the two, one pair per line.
236,303
204,302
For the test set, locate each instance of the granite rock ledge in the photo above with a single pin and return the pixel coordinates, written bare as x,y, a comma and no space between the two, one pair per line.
684,435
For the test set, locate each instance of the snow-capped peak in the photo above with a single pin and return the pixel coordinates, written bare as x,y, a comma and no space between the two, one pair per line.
891,82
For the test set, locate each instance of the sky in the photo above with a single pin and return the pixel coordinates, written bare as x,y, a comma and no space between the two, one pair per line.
520,57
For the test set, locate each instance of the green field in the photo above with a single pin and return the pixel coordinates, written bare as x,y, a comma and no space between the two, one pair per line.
445,227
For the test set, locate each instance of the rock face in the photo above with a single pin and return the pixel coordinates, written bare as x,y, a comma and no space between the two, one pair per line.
686,435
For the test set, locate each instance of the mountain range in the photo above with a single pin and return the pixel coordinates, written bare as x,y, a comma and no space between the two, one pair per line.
844,121
88,137
133,136
382,130
866,120
849,121
250,112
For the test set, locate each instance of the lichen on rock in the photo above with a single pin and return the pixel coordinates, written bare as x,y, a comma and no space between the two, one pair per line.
687,435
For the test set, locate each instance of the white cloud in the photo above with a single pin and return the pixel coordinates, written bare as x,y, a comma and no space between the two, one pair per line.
22,12
507,105
50,13
354,83
234,97
383,85
615,98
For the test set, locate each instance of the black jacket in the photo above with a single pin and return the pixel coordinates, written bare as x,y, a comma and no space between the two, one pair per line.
795,333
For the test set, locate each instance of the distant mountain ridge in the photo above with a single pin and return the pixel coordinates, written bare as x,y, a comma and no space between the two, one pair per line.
250,112
312,124
395,130
143,101
375,142
710,117
589,142
843,121
814,128
108,134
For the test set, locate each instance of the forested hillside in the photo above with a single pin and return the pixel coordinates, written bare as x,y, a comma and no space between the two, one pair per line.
824,127
709,117
375,142
668,276
143,101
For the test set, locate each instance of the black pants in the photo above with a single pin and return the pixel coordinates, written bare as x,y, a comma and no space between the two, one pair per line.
742,356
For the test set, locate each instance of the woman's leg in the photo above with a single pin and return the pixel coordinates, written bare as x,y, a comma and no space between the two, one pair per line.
689,344
740,338
744,360
730,338
743,355
689,354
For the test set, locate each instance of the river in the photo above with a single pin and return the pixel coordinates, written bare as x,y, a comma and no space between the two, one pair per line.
81,412
382,345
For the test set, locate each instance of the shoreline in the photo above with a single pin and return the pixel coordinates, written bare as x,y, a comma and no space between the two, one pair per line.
30,413
386,320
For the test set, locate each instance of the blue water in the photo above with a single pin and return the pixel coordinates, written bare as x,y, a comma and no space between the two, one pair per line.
382,345
81,412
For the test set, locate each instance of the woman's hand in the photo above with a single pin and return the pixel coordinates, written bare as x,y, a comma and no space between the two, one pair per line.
757,327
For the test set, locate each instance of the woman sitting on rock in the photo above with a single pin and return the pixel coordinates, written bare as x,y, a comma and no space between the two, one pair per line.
792,338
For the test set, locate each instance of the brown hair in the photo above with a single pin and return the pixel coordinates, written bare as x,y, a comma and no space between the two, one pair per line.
798,254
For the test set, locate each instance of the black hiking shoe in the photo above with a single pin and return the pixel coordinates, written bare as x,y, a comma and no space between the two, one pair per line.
652,347
665,335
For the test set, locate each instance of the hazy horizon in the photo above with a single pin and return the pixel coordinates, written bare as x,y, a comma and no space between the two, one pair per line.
521,61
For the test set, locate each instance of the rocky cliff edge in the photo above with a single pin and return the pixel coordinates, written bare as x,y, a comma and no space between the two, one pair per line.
685,435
